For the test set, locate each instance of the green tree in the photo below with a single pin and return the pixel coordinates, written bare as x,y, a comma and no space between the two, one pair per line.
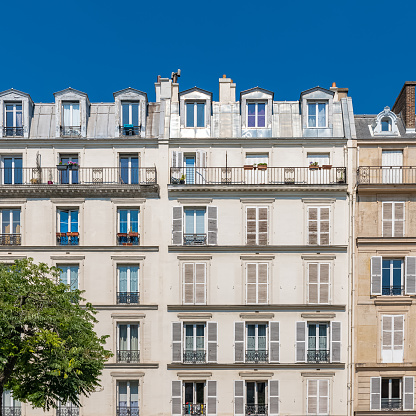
48,348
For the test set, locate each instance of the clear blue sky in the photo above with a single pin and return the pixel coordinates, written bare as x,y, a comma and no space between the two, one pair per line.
285,46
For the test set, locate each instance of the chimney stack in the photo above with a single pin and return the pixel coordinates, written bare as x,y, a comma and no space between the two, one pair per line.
339,92
227,90
405,105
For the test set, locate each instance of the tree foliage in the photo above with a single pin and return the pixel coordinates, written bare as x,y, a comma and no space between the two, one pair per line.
48,348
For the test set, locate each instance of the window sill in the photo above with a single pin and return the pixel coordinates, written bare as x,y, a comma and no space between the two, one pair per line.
381,300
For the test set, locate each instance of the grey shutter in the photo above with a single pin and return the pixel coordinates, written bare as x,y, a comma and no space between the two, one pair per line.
212,225
273,397
274,342
335,342
300,342
376,275
262,282
177,220
238,398
398,338
263,214
176,342
251,227
398,219
313,282
323,400
200,171
212,342
188,283
387,219
408,393
387,339
312,225
312,397
251,282
324,283
324,226
200,283
375,393
176,398
201,159
212,398
239,352
410,280
174,159
179,159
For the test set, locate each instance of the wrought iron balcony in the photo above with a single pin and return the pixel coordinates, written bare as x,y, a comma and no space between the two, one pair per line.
194,409
128,239
130,130
10,239
392,290
70,131
194,356
128,297
13,131
11,411
194,239
67,239
378,175
318,356
391,404
257,356
258,175
127,411
67,411
128,356
256,409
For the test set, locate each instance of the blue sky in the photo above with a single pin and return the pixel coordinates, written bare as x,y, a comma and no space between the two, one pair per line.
284,46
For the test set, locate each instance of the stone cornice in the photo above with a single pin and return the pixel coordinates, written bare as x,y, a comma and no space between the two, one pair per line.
242,366
254,308
132,366
129,308
385,188
381,241
77,249
259,249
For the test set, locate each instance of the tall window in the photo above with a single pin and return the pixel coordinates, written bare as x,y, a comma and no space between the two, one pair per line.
392,162
256,115
256,398
195,227
393,219
128,284
130,114
256,343
67,233
392,277
195,114
318,346
392,393
128,343
257,282
129,169
194,283
318,283
318,225
14,119
69,275
194,402
128,398
194,343
71,115
10,406
257,225
11,170
318,397
392,338
128,227
69,175
317,116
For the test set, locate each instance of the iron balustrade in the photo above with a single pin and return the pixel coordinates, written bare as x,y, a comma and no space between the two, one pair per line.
70,131
11,411
391,404
392,290
194,356
128,297
128,356
194,239
128,239
13,131
194,409
318,356
256,409
10,239
378,175
67,411
130,130
257,356
257,176
127,411
67,239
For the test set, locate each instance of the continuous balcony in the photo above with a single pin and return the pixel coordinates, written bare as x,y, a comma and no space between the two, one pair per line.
128,356
256,409
318,356
128,298
12,131
194,356
194,409
11,411
257,356
386,175
10,239
127,411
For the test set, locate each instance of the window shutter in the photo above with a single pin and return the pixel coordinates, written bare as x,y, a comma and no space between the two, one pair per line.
274,342
262,282
239,352
398,338
212,225
176,342
335,342
324,226
201,159
324,283
179,159
174,159
312,225
251,282
212,341
263,225
176,398
212,398
238,398
312,397
188,283
200,283
410,270
376,275
387,219
398,219
387,342
251,216
408,393
300,342
323,396
313,282
375,393
200,172
273,397
177,220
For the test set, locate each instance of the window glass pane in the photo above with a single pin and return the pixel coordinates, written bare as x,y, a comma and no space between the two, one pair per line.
189,221
395,388
322,337
122,393
17,170
134,338
189,114
125,110
261,121
75,115
134,279
123,220
135,114
312,115
397,273
134,394
123,337
134,220
200,221
122,279
312,337
18,107
73,270
386,273
189,393
16,221
251,392
261,393
63,218
9,119
384,125
134,172
74,221
199,393
19,117
8,172
200,115
321,115
64,274
251,115
67,114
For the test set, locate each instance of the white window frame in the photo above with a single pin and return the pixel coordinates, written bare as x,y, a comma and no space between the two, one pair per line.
256,334
394,360
393,218
128,218
128,276
69,219
10,219
319,208
257,283
129,103
129,325
318,283
401,396
317,337
128,405
257,222
194,283
14,111
195,103
194,335
185,209
256,397
402,277
66,269
71,113
194,392
318,396
313,102
256,114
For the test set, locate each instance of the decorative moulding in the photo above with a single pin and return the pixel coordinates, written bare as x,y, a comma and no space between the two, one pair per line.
319,257
318,315
195,201
194,315
318,200
68,257
317,374
13,202
12,258
128,258
127,376
193,375
258,257
131,201
65,201
256,315
257,201
255,374
130,316
191,258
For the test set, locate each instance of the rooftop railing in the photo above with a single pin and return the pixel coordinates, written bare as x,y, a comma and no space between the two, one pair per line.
377,175
13,131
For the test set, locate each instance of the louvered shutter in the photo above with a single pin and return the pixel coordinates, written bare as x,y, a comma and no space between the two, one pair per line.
408,393
262,226
176,342
251,282
238,398
251,225
324,283
323,392
212,341
188,283
201,158
410,280
312,225
313,282
398,338
212,398
176,398
300,342
262,282
274,342
174,159
398,219
239,342
212,225
376,275
200,170
335,342
324,226
312,397
387,219
177,220
387,339
200,283
375,393
273,397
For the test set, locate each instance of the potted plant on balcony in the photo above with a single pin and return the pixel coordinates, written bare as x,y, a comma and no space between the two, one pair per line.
61,234
248,167
326,166
72,234
73,165
313,165
182,179
262,166
62,166
34,181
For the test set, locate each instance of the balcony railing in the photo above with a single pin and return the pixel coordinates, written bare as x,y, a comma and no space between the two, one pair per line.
128,239
70,131
392,291
194,356
130,130
257,176
318,356
256,409
257,356
376,175
128,356
12,131
10,239
194,239
67,239
128,297
194,409
11,411
391,404
67,411
127,411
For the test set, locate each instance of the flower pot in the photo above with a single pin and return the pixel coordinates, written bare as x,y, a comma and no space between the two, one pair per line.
61,234
314,167
127,244
62,167
72,234
50,182
262,167
248,167
326,166
121,234
181,181
73,167
132,234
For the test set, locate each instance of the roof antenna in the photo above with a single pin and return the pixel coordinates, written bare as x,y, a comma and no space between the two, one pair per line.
175,76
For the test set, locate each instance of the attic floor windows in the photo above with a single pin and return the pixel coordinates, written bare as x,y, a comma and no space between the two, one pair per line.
317,116
71,124
130,119
14,120
256,114
195,114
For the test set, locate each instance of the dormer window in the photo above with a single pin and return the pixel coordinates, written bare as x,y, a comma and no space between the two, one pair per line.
256,114
385,123
317,114
195,114
130,118
14,119
71,125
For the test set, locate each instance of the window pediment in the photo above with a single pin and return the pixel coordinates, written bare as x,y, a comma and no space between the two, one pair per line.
195,93
385,123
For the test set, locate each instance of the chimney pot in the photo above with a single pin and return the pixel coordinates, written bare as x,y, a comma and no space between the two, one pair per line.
334,85
224,76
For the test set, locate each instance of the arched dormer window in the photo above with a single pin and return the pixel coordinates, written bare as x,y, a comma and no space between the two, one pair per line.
385,123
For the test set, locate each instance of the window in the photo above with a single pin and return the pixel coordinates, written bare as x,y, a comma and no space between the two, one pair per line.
10,227
128,343
318,282
391,393
255,169
194,335
128,227
195,227
392,277
318,225
128,284
194,283
68,169
386,124
256,398
128,398
392,338
12,170
318,346
194,398
10,406
129,169
130,114
71,124
256,114
256,343
257,283
69,276
195,114
68,233
393,219
318,397
392,170
257,225
14,119
317,114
